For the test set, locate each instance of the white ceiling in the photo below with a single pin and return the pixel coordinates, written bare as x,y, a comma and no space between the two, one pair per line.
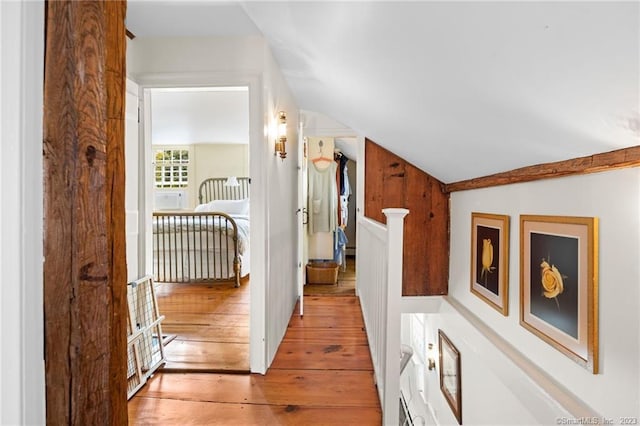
200,116
460,89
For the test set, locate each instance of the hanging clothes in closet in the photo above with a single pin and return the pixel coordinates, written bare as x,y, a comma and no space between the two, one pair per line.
345,189
322,198
322,202
342,182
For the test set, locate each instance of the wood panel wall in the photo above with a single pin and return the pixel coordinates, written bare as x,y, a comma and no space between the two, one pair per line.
84,245
391,181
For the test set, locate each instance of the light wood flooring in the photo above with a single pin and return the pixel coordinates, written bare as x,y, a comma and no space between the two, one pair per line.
210,323
322,374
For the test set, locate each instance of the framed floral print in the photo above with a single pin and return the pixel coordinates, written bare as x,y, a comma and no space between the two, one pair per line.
559,284
490,259
450,374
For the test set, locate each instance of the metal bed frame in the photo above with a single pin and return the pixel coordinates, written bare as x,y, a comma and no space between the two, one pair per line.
185,248
215,189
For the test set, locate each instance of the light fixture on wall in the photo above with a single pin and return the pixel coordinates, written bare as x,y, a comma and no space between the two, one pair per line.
232,181
282,135
431,360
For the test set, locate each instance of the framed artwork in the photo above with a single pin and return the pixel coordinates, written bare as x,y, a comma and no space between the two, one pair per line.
490,259
450,374
559,284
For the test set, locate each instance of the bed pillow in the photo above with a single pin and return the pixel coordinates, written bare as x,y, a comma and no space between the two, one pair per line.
202,208
230,207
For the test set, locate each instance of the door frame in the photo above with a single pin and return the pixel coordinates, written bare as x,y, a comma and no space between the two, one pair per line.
257,172
302,215
22,375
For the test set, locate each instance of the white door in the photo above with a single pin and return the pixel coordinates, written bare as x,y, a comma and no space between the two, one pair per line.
302,217
131,157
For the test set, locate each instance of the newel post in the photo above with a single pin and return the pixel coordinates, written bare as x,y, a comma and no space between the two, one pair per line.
395,229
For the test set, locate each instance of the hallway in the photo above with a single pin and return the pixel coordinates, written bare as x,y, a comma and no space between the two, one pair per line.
322,374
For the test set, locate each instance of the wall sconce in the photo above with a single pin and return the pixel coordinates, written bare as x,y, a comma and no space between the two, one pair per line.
431,360
282,135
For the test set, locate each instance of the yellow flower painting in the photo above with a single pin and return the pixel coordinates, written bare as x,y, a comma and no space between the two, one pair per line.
558,283
487,259
552,281
490,259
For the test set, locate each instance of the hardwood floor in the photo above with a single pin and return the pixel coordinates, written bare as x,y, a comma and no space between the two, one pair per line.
322,374
211,325
210,322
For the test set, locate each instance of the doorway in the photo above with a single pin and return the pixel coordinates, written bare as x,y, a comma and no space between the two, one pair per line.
340,247
196,147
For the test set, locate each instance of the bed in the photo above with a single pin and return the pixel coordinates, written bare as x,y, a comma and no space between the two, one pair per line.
209,244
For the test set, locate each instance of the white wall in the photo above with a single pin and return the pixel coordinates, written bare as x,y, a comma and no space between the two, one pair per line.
490,380
219,56
22,398
244,61
218,160
282,189
131,157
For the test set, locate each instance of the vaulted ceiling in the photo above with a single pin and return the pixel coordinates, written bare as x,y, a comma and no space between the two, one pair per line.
460,89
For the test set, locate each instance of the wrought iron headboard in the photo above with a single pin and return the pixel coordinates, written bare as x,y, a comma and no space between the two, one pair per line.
215,189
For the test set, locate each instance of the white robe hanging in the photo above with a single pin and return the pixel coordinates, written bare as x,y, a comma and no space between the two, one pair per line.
323,196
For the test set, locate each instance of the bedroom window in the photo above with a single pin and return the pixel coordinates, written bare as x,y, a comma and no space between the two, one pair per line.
171,168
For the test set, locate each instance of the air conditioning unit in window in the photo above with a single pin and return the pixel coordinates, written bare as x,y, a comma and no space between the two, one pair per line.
170,200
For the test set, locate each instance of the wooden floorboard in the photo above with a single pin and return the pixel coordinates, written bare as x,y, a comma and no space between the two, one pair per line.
322,373
322,356
331,300
206,319
203,355
314,388
219,307
152,411
211,326
336,310
336,336
219,334
326,321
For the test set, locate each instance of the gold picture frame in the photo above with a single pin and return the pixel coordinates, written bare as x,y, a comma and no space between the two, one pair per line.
559,284
490,259
450,374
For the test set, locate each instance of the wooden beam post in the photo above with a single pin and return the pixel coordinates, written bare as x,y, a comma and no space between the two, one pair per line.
84,242
606,161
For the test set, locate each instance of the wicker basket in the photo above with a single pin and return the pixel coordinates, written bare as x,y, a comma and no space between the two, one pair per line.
322,273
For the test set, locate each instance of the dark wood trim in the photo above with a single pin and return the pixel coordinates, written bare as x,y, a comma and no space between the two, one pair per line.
619,159
84,231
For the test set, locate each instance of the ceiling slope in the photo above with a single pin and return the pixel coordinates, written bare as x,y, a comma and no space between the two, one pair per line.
460,89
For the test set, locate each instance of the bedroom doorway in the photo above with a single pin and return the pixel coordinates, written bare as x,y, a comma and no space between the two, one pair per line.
196,142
